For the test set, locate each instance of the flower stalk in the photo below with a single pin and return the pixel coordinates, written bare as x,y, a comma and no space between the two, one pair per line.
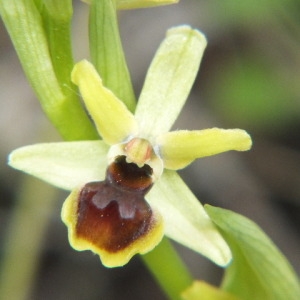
106,51
25,25
168,268
57,18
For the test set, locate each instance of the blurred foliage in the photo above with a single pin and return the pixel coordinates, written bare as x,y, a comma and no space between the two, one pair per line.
253,13
255,80
252,96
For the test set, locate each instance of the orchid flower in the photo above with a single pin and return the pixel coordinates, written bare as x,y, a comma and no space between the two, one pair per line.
126,194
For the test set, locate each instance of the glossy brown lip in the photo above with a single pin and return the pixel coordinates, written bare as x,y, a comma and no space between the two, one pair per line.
113,214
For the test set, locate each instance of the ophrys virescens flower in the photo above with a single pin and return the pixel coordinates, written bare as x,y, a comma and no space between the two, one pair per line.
125,192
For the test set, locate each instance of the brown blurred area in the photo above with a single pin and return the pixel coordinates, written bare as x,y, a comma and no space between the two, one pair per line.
249,79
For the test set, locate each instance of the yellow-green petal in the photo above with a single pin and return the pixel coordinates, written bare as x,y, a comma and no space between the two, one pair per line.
180,148
65,164
169,80
186,221
113,120
131,4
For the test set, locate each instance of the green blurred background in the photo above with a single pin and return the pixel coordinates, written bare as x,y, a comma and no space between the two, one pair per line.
249,79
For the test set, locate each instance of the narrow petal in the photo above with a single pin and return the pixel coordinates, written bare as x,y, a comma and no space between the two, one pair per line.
169,80
186,221
113,120
112,217
180,148
130,4
65,165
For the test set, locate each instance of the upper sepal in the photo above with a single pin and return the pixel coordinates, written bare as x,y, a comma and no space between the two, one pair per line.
169,80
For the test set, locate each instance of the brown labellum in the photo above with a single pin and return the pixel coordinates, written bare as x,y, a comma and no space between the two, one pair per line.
113,214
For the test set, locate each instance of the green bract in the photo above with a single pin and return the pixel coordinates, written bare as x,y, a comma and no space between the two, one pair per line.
70,165
258,270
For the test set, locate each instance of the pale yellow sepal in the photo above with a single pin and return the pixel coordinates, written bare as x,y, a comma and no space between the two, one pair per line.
131,4
180,148
201,290
186,221
169,80
113,120
109,259
63,164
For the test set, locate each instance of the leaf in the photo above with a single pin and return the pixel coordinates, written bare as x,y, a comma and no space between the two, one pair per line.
258,270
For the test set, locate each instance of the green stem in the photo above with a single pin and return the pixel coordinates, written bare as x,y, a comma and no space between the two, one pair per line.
26,28
168,269
57,16
107,52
